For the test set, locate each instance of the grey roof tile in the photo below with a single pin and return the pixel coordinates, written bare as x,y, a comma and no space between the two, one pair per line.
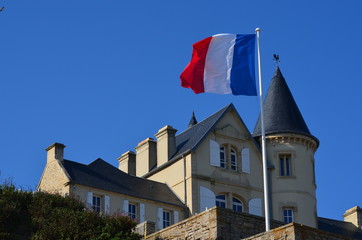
102,175
192,137
281,113
346,229
193,120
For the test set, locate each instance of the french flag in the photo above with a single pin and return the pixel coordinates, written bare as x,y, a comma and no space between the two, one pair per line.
223,64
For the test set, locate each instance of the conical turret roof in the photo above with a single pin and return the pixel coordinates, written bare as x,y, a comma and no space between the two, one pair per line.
281,113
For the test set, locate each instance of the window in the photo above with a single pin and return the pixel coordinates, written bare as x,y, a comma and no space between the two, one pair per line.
233,164
221,201
222,157
166,219
96,204
285,165
132,211
237,205
288,215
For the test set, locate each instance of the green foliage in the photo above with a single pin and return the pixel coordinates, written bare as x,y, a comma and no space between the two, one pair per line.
42,216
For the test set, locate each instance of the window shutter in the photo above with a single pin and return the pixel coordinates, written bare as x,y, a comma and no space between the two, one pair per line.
245,158
160,218
142,212
107,202
207,198
214,153
125,207
89,200
175,217
255,207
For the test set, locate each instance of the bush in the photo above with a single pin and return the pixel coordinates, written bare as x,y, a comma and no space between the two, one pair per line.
43,216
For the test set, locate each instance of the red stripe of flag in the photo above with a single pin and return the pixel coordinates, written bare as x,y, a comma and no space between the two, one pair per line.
193,75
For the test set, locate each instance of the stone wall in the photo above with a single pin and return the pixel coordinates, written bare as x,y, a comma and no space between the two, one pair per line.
294,231
215,223
145,228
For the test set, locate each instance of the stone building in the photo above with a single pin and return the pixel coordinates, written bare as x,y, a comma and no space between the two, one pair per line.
215,162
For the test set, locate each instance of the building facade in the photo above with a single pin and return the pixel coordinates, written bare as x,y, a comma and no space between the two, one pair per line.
215,162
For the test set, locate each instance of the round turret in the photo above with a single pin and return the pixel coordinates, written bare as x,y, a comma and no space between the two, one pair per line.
290,151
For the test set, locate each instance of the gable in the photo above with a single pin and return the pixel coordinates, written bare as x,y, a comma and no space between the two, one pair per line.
54,179
226,121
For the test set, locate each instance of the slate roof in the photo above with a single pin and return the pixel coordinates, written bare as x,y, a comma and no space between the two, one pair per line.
281,113
193,120
346,229
102,175
193,136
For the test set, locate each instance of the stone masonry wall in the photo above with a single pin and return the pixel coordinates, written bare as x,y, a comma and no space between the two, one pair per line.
215,223
236,225
294,231
145,228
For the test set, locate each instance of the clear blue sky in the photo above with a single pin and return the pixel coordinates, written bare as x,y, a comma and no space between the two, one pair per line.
100,76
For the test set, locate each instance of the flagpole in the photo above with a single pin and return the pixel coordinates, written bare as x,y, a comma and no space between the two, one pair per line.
263,143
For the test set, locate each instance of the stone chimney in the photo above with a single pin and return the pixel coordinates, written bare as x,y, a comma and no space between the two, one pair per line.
55,152
146,156
166,144
354,215
127,163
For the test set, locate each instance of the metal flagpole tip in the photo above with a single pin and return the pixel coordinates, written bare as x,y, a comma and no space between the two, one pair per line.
257,29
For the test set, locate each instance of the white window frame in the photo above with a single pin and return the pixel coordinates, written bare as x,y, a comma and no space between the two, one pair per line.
237,203
288,215
220,201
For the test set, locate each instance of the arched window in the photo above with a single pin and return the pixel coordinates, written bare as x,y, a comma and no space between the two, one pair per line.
222,157
221,201
233,163
237,205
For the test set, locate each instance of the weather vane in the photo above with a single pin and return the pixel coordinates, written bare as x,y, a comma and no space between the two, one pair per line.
276,59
